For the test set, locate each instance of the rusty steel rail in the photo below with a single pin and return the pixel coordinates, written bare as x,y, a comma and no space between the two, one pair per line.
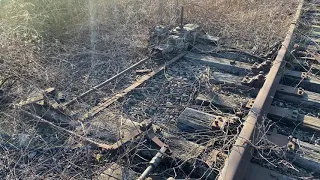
107,102
95,88
236,165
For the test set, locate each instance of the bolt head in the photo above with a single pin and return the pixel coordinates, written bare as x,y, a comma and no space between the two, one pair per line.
268,62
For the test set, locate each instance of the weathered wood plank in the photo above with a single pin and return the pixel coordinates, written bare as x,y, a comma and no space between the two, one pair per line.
219,77
315,27
226,65
256,172
308,99
274,113
191,119
314,34
49,113
304,66
293,117
307,156
302,80
198,120
112,129
182,149
239,68
310,122
183,152
231,80
225,103
88,140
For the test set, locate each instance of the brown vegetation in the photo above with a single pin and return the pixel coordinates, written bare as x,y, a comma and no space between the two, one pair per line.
73,45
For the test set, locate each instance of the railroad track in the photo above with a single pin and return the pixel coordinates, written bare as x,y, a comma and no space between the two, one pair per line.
221,115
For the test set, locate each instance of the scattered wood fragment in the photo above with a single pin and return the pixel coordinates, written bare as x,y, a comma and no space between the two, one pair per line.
90,141
37,97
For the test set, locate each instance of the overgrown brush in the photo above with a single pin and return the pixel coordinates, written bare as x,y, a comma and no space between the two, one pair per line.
74,44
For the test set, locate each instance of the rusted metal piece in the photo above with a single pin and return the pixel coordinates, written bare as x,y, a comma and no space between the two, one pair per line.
222,122
250,103
95,88
145,125
155,161
219,122
157,141
292,145
264,66
46,104
255,81
239,158
107,102
164,148
305,75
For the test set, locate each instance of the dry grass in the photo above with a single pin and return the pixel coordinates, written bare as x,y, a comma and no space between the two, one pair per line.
40,37
72,45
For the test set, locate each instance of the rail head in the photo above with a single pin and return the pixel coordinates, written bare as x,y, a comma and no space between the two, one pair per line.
236,165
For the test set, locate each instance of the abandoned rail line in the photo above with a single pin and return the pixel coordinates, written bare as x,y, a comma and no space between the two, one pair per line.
206,115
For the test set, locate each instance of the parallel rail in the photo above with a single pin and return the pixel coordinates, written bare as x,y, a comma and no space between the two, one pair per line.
239,158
